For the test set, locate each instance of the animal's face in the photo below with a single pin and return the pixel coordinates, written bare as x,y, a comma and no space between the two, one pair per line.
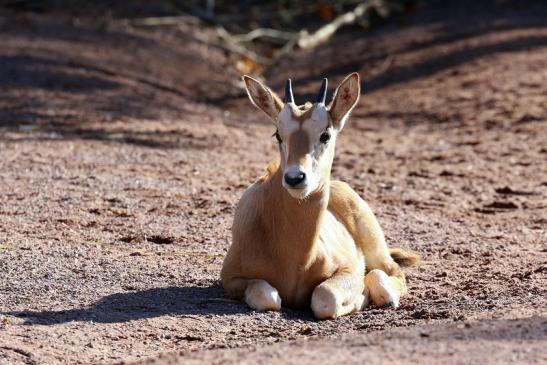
306,144
306,134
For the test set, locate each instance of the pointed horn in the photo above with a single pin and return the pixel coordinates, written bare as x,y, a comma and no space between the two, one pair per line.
288,92
322,96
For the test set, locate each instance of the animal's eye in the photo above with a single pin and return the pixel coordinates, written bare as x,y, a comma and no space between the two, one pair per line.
325,137
278,137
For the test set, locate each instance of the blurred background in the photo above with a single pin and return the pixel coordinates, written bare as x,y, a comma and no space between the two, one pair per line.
198,49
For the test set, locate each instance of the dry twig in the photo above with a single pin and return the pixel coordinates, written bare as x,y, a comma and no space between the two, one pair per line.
290,40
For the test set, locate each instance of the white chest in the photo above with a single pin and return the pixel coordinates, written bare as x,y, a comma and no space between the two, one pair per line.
337,244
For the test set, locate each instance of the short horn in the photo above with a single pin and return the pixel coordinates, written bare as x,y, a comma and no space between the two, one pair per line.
288,92
322,96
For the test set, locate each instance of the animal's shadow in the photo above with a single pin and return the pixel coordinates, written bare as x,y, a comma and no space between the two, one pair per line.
135,305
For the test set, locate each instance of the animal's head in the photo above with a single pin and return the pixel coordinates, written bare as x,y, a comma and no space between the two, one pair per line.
306,133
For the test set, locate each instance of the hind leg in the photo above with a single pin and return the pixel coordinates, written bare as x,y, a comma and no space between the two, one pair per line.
385,281
382,289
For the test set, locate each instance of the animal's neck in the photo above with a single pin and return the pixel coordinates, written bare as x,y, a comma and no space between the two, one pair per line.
296,223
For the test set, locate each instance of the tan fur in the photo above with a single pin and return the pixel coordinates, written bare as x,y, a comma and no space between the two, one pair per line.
313,251
404,258
286,257
302,112
298,147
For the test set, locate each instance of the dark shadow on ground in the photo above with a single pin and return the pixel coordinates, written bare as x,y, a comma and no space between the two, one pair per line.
170,139
47,83
129,306
135,305
410,72
61,80
81,82
51,99
437,64
42,73
441,24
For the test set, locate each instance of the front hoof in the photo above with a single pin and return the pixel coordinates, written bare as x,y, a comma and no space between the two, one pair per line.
324,303
261,296
391,304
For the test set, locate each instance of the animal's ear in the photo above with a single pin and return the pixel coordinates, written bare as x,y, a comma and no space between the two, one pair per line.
263,97
344,100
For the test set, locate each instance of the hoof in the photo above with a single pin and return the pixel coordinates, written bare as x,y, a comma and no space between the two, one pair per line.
381,291
261,296
324,303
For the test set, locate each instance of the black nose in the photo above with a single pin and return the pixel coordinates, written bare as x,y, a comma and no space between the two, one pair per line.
294,179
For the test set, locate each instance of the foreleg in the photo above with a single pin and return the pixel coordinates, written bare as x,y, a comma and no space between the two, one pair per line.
257,293
337,296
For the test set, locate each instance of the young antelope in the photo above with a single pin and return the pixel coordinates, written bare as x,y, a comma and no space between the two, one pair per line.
301,239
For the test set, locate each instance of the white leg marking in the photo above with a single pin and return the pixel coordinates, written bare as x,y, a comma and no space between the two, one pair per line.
327,303
381,291
261,296
324,303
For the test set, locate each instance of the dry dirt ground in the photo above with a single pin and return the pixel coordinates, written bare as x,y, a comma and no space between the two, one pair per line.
123,153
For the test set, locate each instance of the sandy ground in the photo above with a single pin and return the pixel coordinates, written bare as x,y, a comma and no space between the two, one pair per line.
123,153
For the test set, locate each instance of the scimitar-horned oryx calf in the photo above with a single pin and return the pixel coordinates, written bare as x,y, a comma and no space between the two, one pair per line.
300,238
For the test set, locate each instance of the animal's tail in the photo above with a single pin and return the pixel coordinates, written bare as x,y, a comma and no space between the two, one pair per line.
404,258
